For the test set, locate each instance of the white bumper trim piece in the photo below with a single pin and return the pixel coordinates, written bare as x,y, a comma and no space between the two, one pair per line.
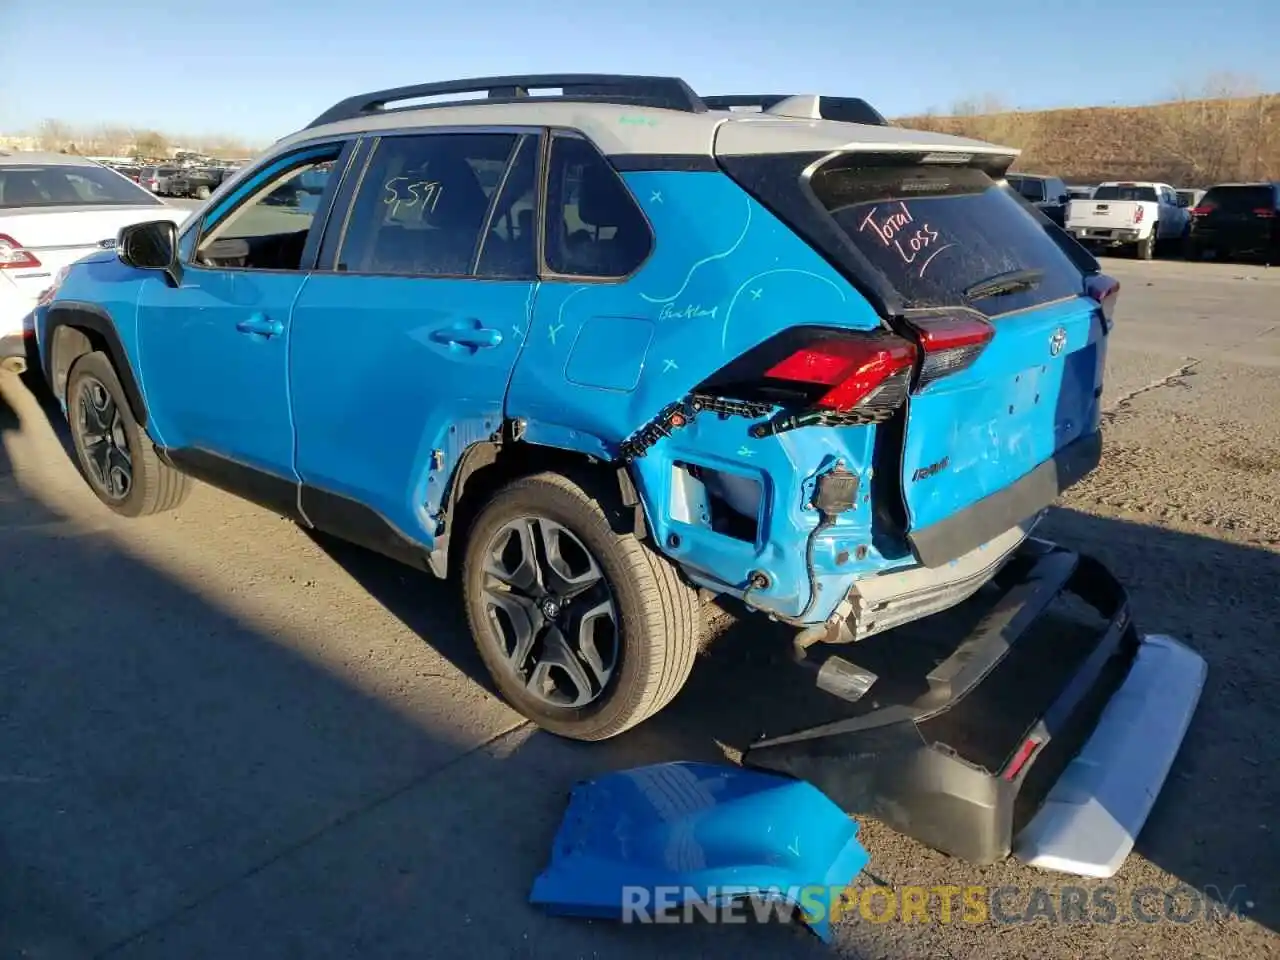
1095,811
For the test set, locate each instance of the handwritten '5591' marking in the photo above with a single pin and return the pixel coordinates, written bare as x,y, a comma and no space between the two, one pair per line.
897,229
400,191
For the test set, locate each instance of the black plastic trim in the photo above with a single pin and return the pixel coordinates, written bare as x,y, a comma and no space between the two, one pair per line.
887,763
940,543
275,493
350,520
670,93
675,162
90,316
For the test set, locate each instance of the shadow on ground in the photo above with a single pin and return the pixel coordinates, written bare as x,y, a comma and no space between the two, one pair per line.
178,782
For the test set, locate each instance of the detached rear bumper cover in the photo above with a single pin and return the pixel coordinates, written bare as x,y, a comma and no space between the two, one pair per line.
1094,812
1073,737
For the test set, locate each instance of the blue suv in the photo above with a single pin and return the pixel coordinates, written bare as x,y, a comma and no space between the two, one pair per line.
599,347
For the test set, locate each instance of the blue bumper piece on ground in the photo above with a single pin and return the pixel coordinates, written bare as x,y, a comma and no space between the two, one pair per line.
640,842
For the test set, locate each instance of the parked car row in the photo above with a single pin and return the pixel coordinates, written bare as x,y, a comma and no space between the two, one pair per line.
1226,221
177,180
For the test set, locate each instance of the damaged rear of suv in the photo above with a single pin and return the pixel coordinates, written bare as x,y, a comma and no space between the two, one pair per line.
617,344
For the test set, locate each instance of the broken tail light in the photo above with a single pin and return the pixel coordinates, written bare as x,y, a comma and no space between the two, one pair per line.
13,257
949,344
820,376
1105,290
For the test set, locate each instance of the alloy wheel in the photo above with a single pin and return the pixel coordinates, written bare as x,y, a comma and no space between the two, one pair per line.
103,440
551,610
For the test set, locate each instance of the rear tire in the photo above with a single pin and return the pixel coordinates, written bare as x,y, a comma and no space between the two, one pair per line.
1147,246
114,454
552,653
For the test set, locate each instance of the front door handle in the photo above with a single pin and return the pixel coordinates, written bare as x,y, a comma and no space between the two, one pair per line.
475,337
261,325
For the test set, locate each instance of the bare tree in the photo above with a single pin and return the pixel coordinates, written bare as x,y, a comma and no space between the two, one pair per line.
149,143
1218,132
53,135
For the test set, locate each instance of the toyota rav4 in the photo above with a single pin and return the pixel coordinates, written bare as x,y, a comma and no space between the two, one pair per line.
600,346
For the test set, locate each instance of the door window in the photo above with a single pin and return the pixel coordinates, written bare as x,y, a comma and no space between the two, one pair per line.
594,227
424,203
510,249
269,230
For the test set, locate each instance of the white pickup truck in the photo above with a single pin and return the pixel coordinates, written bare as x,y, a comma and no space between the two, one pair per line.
1127,213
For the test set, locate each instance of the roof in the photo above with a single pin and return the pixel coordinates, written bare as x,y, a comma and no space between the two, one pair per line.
624,114
23,158
619,129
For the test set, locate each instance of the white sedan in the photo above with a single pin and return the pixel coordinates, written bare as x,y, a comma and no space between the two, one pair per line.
55,209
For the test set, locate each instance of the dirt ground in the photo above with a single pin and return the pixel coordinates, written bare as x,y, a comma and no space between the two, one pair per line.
220,736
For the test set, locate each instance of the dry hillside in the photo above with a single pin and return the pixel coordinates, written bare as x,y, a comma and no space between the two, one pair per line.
1184,142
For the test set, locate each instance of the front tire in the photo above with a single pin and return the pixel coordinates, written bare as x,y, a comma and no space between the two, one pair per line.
114,455
584,630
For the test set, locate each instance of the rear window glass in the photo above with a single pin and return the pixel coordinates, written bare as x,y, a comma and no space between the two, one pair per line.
934,233
68,186
1121,192
1239,199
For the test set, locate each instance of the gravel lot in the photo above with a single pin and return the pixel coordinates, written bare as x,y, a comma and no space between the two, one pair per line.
224,737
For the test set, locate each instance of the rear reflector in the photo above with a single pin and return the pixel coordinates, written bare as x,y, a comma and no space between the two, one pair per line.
1024,754
13,257
856,371
1105,290
950,343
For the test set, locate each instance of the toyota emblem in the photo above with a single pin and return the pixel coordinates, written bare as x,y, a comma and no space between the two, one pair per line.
1057,342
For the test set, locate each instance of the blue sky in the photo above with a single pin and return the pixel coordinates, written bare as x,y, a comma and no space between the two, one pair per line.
262,68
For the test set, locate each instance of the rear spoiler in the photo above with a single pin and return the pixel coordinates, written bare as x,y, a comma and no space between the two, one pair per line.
805,105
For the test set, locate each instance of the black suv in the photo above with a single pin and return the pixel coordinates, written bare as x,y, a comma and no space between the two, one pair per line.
1049,194
1237,219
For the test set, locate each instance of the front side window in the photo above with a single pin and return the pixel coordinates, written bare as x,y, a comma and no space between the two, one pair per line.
594,227
423,204
269,230
68,185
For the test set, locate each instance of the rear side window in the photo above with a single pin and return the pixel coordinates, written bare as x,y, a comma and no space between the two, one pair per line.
68,186
594,228
937,235
424,203
1122,192
1240,199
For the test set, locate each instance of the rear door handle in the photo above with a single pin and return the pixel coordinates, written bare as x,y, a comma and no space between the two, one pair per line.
476,337
261,325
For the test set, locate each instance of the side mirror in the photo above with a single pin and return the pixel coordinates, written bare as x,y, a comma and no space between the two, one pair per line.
151,246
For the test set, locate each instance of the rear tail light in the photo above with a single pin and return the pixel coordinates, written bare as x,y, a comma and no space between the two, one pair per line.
1266,213
850,375
13,257
1105,290
1201,211
1138,213
949,343
817,376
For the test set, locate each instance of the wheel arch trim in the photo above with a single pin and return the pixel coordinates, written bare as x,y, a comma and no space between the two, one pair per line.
76,315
